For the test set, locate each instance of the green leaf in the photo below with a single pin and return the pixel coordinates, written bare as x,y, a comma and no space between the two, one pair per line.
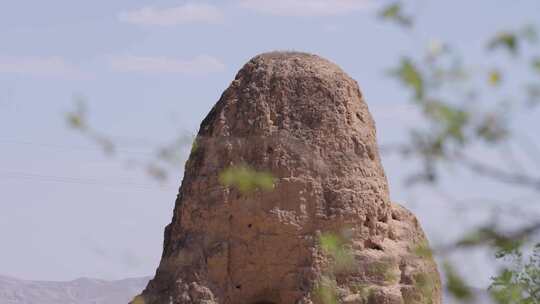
494,77
330,243
77,118
75,121
364,290
423,250
410,76
334,246
451,119
476,237
455,285
504,289
390,11
490,236
326,291
519,282
505,40
194,146
425,282
393,12
138,300
506,246
246,179
386,270
536,64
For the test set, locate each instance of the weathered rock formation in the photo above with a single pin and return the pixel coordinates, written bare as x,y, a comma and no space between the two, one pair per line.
303,119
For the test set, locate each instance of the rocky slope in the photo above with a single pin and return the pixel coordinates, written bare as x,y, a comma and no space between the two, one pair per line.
80,291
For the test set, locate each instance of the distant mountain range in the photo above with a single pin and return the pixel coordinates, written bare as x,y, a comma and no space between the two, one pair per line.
80,291
92,291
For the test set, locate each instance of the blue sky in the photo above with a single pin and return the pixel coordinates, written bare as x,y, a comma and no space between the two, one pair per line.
152,69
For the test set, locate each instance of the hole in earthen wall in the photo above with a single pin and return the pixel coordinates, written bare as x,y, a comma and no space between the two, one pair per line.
372,245
367,222
359,117
405,279
370,152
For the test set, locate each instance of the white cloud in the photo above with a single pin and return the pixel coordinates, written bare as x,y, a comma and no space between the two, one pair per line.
183,14
306,8
202,64
37,66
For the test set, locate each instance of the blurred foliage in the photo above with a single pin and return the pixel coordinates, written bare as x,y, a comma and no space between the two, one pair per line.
326,290
494,77
165,157
511,41
246,179
506,40
137,300
455,285
385,268
78,120
451,125
449,96
410,77
365,291
536,64
423,250
503,244
464,105
170,155
394,13
335,246
426,284
520,282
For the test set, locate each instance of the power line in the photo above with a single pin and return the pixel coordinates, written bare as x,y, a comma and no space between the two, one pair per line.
78,180
64,147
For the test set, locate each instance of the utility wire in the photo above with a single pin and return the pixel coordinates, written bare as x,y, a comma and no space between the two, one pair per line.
78,180
64,147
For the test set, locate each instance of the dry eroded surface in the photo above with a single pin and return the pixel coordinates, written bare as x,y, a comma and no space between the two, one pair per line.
303,119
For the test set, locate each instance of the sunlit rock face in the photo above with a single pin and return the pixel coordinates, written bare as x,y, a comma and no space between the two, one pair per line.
301,118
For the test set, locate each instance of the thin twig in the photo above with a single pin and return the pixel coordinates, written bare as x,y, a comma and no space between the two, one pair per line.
517,179
516,235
